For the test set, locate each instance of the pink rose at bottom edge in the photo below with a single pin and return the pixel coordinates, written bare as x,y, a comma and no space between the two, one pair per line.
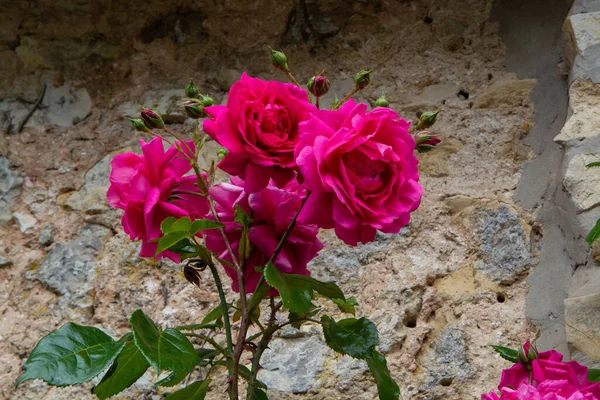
547,390
272,210
143,186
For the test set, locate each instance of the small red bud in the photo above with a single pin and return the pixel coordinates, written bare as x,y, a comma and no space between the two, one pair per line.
318,85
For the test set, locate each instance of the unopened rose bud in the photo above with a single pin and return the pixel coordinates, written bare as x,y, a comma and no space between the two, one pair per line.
426,142
152,119
527,353
318,85
207,101
427,119
362,79
382,101
191,90
221,153
138,124
279,60
194,108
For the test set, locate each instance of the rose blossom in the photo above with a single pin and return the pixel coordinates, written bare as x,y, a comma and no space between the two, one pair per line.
259,127
143,186
361,169
272,210
547,390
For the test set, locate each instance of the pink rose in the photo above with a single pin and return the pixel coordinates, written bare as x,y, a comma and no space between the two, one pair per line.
547,390
549,365
259,127
272,210
146,186
361,169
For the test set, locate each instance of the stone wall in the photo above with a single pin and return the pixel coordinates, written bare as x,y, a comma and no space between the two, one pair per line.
440,291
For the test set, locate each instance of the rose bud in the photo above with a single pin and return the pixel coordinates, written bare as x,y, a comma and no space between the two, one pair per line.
382,101
207,101
426,142
318,85
279,60
221,153
191,90
362,79
427,119
194,108
152,119
138,124
527,353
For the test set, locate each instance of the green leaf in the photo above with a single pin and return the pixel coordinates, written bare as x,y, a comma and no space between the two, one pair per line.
214,315
593,164
70,355
165,226
388,389
195,391
347,306
205,224
173,378
354,337
241,217
207,354
258,295
506,353
196,327
183,224
244,246
170,240
593,375
298,318
295,294
164,350
129,366
594,233
260,395
327,289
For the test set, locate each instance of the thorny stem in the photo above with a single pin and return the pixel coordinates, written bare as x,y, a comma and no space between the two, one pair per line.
176,136
262,346
317,101
294,81
210,340
346,97
226,322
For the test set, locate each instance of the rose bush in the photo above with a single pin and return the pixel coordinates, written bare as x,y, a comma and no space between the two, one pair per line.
145,187
361,169
259,127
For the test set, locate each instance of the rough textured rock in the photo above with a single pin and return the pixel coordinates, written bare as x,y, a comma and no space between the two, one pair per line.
582,316
70,268
10,187
167,102
91,197
581,32
47,235
584,102
582,183
294,365
506,94
505,251
450,359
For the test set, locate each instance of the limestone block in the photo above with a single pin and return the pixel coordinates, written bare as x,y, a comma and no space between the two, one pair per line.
582,183
584,6
91,197
166,101
584,102
581,31
10,187
506,94
582,317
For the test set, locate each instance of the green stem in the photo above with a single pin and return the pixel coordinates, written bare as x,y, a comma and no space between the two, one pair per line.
294,81
317,101
346,97
226,322
210,340
262,346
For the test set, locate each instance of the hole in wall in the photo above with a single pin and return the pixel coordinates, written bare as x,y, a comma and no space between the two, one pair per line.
446,381
501,297
463,95
409,321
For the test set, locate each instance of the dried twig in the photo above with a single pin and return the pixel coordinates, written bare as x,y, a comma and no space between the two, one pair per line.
35,107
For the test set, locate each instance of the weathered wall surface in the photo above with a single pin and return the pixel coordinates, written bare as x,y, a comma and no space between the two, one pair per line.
440,291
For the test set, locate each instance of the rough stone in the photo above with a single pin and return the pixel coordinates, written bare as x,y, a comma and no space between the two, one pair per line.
91,197
435,163
166,101
10,187
293,365
25,221
584,102
450,360
504,251
587,65
584,6
581,31
506,94
582,183
70,268
5,262
62,106
435,94
47,235
582,317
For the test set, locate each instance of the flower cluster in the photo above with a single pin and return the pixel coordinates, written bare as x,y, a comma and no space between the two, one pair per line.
545,376
351,169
